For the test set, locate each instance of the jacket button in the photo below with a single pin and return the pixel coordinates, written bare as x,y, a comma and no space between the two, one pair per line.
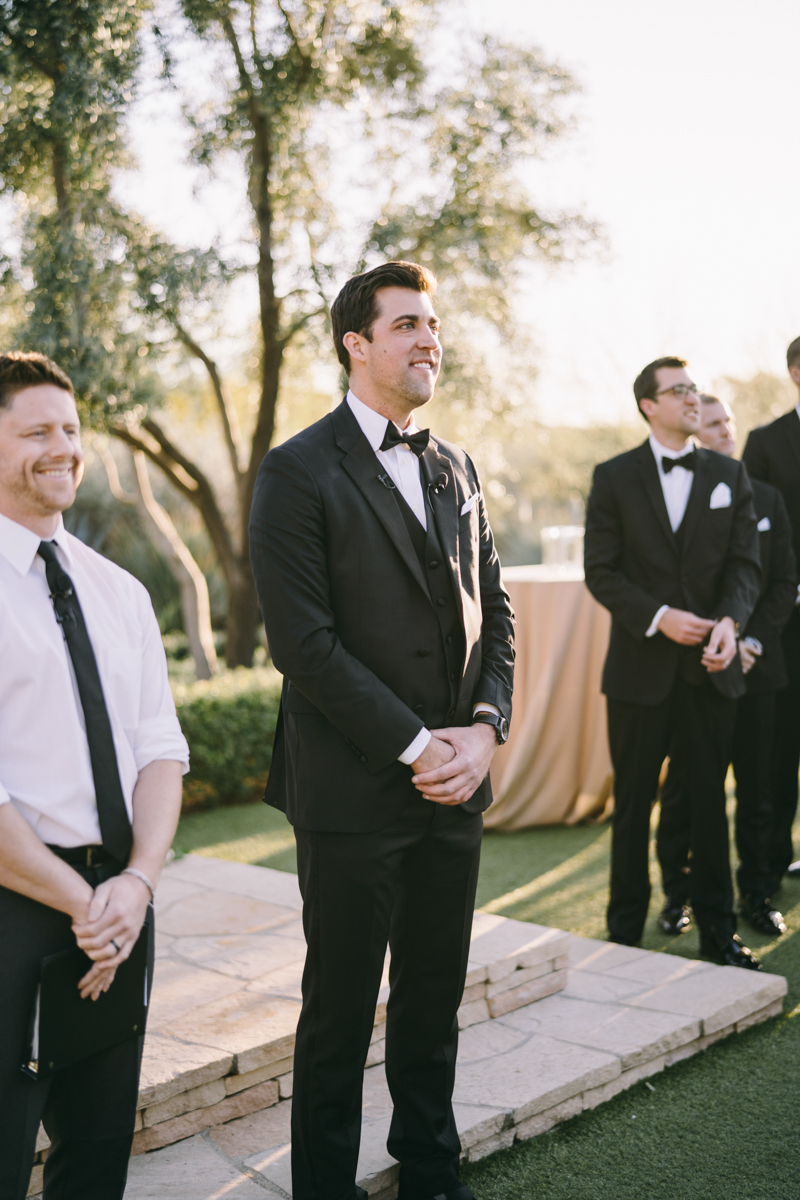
433,564
452,675
363,757
441,602
449,639
423,653
419,709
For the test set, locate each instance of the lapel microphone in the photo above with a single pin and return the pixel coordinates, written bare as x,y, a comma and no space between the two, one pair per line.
388,482
439,483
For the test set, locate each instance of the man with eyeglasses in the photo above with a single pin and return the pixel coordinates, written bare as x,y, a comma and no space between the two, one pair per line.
672,551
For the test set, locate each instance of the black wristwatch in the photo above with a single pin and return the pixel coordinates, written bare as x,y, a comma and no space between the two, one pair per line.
497,722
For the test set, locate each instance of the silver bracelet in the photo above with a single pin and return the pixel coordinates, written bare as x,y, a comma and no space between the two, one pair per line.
141,875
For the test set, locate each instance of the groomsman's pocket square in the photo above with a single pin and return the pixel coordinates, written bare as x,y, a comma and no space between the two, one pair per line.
469,503
720,497
764,525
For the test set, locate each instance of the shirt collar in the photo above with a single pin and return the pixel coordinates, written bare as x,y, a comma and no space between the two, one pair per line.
664,451
19,545
373,425
797,408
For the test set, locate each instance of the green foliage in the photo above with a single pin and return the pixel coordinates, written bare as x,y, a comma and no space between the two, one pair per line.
68,72
229,723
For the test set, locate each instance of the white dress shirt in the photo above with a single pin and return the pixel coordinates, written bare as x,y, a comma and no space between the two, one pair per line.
676,486
402,465
45,769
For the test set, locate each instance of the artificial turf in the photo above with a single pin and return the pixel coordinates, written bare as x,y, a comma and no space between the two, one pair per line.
724,1125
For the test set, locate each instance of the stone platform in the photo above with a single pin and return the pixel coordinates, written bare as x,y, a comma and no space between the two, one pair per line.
538,1045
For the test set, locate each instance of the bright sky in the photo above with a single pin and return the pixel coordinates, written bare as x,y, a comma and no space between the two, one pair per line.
685,151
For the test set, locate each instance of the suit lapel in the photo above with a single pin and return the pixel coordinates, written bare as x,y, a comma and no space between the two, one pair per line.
444,504
648,470
699,496
364,468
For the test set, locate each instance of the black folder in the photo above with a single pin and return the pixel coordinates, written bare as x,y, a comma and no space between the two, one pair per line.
66,1029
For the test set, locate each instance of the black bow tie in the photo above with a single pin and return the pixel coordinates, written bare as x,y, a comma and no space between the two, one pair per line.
417,442
688,462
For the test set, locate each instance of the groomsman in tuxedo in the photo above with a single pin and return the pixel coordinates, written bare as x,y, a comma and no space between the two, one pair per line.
381,594
772,454
672,551
761,655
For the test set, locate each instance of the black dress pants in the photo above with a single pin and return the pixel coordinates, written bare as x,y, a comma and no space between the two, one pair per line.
411,885
88,1110
751,757
786,753
699,722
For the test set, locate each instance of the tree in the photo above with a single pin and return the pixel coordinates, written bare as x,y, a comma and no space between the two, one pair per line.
68,70
288,77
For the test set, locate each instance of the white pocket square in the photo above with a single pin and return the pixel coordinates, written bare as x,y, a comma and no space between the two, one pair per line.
764,525
469,503
720,497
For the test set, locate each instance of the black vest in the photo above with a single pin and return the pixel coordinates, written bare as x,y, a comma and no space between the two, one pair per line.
450,651
691,668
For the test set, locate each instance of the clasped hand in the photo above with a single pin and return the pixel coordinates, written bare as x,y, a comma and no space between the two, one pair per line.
115,913
454,763
688,630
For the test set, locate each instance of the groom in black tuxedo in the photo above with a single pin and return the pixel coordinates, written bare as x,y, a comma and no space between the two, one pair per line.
381,594
672,551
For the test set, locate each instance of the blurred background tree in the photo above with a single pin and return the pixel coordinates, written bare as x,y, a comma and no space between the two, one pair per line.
357,142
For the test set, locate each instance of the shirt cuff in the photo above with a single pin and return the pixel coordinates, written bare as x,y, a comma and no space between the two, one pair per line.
412,752
490,708
654,623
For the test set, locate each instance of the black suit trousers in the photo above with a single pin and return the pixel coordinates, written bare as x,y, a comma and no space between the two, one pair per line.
699,722
411,885
88,1110
752,754
786,752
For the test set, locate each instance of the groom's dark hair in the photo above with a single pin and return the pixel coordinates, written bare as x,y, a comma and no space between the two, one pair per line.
355,308
645,385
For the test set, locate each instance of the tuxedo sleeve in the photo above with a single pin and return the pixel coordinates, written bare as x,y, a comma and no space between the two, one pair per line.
497,626
288,550
780,592
741,577
633,606
755,456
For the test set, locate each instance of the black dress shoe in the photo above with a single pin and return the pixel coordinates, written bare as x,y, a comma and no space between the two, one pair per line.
762,916
728,950
793,871
460,1193
674,918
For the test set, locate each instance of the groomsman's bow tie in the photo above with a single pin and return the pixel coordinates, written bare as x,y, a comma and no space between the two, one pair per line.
416,442
688,462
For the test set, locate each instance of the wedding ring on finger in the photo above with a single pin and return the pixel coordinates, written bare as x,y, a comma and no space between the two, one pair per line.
114,944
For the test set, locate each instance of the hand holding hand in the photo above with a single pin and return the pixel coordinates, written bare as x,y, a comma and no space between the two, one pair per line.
453,783
684,627
721,649
116,915
749,657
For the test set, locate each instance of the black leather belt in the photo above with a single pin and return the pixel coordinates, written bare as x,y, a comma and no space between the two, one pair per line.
82,856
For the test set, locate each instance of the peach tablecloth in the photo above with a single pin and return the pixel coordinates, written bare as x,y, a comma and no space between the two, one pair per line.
555,768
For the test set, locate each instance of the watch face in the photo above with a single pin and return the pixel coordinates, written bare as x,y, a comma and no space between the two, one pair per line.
503,729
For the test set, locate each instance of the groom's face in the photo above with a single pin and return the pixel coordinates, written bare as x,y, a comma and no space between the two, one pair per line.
404,355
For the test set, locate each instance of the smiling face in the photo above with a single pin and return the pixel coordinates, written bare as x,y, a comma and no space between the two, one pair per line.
395,370
673,415
41,460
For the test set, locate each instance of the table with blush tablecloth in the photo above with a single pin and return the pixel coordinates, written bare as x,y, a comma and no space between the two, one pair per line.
555,768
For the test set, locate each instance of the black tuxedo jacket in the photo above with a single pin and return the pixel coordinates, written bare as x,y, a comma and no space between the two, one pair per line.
772,454
634,564
776,599
351,623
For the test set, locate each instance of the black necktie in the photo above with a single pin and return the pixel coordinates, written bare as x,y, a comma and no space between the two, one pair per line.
688,462
417,442
115,827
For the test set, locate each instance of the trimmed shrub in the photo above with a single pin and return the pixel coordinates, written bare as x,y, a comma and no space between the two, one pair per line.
229,723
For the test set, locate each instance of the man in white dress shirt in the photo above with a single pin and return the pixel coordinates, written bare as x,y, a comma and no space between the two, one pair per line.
73,869
671,550
385,612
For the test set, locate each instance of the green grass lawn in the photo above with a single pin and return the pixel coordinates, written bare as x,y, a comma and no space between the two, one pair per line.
724,1125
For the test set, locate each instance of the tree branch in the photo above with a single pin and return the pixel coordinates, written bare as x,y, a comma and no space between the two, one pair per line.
227,412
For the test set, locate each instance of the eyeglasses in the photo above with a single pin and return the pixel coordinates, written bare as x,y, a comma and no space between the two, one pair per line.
679,389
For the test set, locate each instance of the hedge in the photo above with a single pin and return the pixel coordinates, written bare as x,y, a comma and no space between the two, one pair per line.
229,723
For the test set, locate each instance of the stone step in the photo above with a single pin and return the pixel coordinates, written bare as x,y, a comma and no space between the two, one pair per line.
226,994
625,1015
